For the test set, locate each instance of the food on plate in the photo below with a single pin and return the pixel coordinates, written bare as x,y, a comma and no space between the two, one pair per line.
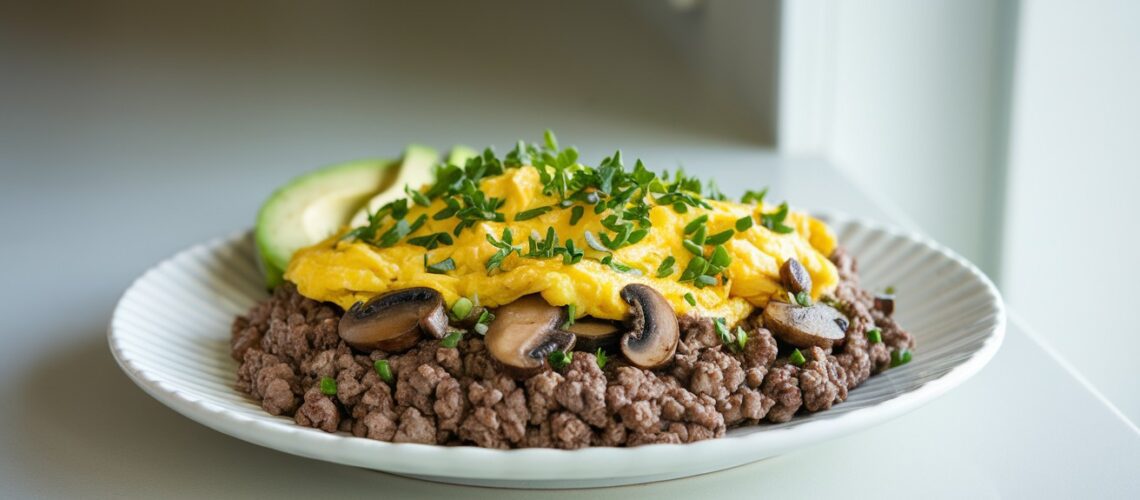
530,300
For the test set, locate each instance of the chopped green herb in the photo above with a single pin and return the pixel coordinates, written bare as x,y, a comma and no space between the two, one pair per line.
484,322
797,358
461,308
666,267
890,290
532,213
696,223
600,356
722,331
875,335
636,236
441,267
803,299
720,257
328,386
690,299
383,370
775,220
695,268
452,339
693,247
594,243
719,238
431,241
571,312
576,214
698,236
741,339
744,223
417,197
559,360
900,357
754,196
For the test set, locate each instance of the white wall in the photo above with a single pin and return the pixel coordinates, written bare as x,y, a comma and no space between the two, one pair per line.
1072,256
916,113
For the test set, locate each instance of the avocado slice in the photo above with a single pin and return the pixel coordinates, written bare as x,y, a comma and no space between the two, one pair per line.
415,171
316,205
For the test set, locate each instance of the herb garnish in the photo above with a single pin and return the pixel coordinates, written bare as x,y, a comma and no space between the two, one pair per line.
775,220
559,359
601,358
384,370
797,358
441,267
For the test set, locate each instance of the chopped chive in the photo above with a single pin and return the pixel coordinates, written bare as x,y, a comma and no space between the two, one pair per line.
571,312
797,358
441,267
695,268
744,223
452,339
900,357
600,356
593,242
666,267
720,237
720,257
484,322
417,197
328,386
461,308
705,280
690,299
696,223
890,290
576,214
559,360
875,335
741,338
803,299
693,247
532,213
383,370
699,236
636,236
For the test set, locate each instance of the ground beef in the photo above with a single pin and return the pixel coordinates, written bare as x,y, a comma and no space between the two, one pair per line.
287,344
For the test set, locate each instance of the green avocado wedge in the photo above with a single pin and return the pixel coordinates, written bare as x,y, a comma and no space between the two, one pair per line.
317,204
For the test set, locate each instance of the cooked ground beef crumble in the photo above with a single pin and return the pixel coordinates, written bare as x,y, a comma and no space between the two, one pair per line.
458,396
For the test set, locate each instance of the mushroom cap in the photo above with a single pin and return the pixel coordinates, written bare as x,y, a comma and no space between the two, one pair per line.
818,325
524,333
796,279
653,334
394,321
594,333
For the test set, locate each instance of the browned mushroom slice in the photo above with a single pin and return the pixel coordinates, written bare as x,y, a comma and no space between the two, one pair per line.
593,333
818,325
796,279
393,321
653,334
885,303
524,333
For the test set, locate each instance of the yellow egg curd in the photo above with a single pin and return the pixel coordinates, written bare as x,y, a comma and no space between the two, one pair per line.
344,271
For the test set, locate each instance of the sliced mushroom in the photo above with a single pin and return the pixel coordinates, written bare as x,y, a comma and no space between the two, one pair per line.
393,321
817,325
796,279
885,303
653,334
524,333
593,333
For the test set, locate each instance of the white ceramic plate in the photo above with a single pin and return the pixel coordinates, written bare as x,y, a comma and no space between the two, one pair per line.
170,333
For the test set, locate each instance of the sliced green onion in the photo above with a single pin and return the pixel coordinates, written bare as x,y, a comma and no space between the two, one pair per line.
690,299
900,357
797,358
666,267
452,339
699,236
571,312
741,338
744,223
559,360
441,267
576,214
532,213
383,370
328,386
720,237
875,335
693,247
461,308
593,242
696,223
600,356
803,299
720,257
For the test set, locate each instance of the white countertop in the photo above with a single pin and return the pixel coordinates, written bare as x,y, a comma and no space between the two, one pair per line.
77,427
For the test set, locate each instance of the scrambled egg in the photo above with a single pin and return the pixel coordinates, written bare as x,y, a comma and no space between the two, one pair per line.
344,272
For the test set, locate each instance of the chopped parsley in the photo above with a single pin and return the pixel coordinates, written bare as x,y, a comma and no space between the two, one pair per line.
559,360
600,356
